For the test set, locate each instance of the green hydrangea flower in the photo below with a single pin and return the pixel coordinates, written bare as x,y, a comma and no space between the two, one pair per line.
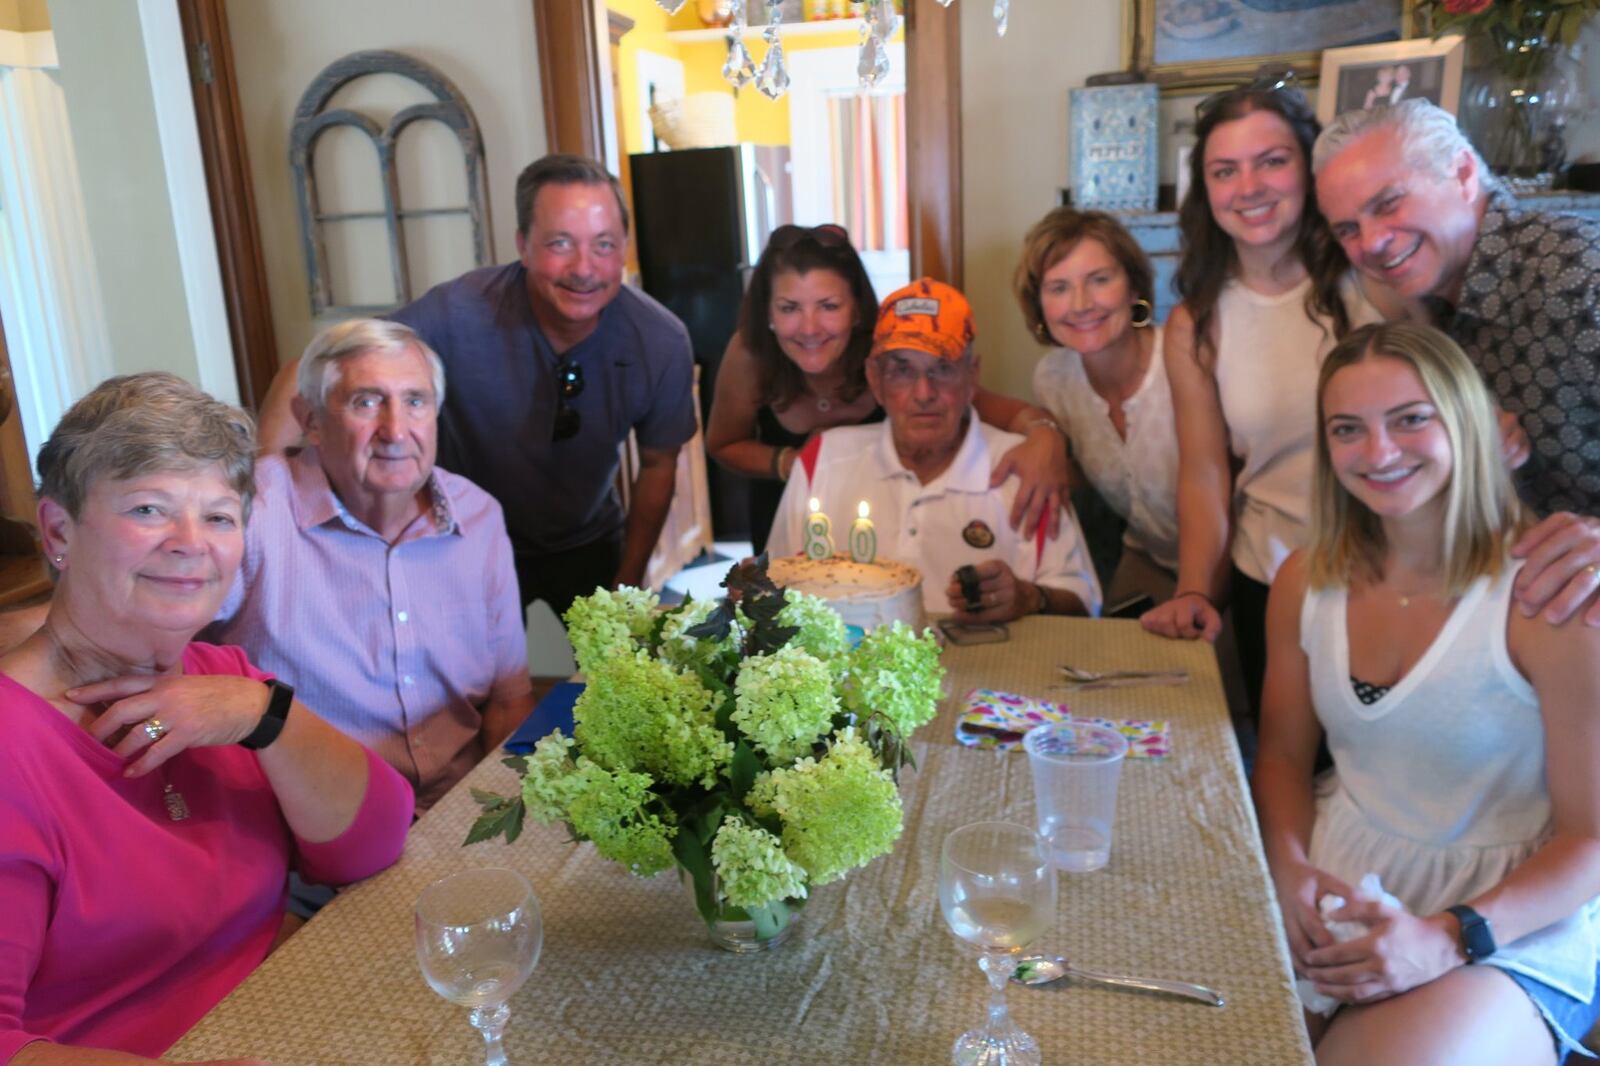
605,807
637,713
838,812
549,784
692,653
822,631
609,809
896,673
609,623
783,702
752,868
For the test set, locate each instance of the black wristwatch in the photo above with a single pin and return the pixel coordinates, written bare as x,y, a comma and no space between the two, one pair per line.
271,724
1476,938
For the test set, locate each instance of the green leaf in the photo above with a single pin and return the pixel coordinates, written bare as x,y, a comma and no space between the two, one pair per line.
487,800
519,763
501,817
694,855
716,626
743,770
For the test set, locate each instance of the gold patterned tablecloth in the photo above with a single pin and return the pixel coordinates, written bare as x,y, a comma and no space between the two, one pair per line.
872,975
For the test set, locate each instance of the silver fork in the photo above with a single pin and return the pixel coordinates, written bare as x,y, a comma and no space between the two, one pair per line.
1090,677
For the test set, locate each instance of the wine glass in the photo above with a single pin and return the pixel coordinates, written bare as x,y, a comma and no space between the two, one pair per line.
478,939
998,891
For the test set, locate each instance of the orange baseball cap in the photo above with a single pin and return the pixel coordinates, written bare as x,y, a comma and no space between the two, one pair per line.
926,316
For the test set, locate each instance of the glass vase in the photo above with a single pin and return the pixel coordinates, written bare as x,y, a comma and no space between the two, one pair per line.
734,929
1521,91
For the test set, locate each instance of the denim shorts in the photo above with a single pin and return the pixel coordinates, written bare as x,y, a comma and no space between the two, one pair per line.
1569,1019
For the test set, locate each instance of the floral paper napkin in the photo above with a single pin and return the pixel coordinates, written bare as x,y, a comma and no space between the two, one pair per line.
998,719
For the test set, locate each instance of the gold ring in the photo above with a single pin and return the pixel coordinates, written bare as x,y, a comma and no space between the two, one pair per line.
155,729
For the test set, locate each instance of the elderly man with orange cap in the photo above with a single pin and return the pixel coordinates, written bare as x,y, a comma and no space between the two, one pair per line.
925,470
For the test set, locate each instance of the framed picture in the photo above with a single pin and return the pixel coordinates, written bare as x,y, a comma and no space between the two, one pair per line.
1195,45
1378,75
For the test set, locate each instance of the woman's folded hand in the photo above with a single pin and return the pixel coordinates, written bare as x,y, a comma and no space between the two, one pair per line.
159,716
1399,952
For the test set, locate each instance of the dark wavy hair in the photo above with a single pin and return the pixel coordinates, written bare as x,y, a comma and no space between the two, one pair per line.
1209,257
800,250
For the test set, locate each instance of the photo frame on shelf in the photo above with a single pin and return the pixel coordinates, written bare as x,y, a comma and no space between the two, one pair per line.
1378,75
1189,46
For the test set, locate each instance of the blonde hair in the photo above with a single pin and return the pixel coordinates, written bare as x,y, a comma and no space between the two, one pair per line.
1482,513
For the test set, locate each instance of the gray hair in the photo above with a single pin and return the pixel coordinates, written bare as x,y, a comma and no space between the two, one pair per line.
140,424
357,336
1429,137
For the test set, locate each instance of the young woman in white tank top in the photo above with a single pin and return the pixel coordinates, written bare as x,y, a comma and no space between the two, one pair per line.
1462,733
1266,292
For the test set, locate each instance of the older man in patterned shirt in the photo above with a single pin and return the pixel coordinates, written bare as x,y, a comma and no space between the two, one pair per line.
1415,208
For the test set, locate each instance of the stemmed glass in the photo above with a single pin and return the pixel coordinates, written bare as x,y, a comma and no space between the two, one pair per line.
998,891
478,939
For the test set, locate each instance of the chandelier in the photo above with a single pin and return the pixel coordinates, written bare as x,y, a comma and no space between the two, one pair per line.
877,20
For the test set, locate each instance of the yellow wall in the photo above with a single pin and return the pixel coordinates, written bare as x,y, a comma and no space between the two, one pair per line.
33,16
758,120
650,26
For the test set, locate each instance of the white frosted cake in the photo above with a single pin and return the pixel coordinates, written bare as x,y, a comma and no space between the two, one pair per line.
865,594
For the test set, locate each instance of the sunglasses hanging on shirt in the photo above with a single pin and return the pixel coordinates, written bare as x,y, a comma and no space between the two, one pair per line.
569,386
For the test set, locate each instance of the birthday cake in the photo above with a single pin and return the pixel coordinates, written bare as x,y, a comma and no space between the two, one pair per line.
865,594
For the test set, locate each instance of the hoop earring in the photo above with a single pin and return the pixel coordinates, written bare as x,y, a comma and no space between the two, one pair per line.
1149,313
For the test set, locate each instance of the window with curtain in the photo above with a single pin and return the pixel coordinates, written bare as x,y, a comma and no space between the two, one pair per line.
868,137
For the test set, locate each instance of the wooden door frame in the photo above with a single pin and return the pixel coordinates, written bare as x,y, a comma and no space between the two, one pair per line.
569,72
232,193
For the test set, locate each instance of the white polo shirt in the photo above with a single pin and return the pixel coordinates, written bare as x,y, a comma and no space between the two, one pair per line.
953,520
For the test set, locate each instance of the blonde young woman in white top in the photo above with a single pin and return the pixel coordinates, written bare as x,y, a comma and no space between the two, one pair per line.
1463,733
1084,284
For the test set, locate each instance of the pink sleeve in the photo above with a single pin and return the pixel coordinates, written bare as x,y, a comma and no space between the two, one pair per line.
25,887
374,839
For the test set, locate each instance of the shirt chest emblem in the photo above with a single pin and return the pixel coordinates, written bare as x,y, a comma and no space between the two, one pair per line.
978,534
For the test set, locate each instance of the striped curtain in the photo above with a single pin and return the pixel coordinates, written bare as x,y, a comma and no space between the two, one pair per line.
868,138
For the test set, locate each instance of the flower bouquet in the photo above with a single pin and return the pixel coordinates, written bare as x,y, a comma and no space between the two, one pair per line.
743,739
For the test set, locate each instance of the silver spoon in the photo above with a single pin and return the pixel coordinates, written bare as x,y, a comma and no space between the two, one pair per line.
1042,969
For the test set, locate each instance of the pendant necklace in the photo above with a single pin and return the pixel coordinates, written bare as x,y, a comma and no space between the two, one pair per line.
824,404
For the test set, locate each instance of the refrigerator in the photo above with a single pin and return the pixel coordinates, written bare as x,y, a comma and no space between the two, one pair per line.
701,218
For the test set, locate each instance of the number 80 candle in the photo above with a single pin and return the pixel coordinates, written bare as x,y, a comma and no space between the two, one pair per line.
819,533
863,538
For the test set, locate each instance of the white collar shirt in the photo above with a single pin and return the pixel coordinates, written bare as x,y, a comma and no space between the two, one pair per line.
953,520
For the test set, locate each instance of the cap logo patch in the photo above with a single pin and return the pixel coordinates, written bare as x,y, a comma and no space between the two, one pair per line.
978,534
916,305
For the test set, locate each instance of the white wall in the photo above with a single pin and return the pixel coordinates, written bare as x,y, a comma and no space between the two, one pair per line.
487,48
1014,151
105,77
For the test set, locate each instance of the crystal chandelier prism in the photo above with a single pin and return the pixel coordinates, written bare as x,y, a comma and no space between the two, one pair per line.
877,21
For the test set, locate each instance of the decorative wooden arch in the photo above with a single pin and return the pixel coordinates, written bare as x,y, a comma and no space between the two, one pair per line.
311,121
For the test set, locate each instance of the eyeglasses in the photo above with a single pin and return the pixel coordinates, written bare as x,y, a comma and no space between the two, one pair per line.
569,386
829,235
1268,81
944,374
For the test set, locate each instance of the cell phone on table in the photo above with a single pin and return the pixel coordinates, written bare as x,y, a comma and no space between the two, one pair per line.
963,633
1132,607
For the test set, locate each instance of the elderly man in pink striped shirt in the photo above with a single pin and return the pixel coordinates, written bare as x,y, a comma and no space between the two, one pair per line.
381,586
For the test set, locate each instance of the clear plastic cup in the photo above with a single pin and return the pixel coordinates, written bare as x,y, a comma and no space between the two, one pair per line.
1075,769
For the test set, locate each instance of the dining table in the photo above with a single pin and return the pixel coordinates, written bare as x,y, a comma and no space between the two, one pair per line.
872,974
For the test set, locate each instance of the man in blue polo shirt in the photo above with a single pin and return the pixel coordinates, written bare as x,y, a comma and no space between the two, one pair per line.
552,361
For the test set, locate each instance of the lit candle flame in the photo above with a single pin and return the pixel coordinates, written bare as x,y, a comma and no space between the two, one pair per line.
862,509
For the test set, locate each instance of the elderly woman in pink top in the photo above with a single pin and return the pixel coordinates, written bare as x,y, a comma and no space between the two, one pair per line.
154,792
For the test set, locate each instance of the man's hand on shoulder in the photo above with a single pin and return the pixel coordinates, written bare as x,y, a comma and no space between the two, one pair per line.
1562,571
